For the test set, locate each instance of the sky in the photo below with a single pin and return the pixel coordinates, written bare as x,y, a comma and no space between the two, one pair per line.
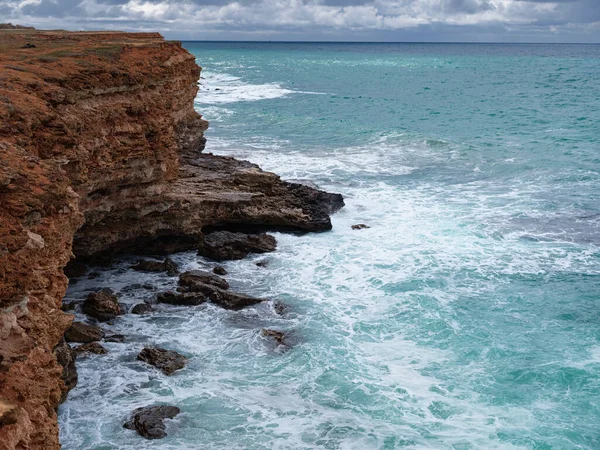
323,20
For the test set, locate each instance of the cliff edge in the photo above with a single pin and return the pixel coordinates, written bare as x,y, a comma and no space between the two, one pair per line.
100,152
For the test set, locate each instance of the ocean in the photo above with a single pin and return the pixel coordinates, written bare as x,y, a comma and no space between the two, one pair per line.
466,317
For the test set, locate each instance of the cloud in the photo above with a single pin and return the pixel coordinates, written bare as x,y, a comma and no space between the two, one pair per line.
538,19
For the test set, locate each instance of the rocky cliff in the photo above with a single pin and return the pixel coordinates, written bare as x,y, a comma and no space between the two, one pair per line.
100,153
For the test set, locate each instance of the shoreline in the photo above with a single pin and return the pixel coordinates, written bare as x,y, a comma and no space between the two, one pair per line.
102,150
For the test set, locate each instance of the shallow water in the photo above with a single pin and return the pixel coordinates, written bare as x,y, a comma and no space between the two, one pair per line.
466,317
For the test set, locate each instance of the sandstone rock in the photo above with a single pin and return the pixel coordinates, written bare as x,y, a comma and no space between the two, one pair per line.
91,347
166,360
9,413
168,266
277,336
102,305
225,245
149,420
65,356
219,270
360,226
83,333
181,299
141,308
195,277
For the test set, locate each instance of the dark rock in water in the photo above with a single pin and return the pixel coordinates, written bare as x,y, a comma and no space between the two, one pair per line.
148,421
278,336
92,347
83,333
141,308
190,283
75,269
68,306
65,356
115,338
280,308
102,305
360,226
219,270
225,245
166,360
185,299
262,263
168,266
93,275
194,277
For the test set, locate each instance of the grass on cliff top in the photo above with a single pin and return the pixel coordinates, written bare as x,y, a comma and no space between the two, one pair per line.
108,52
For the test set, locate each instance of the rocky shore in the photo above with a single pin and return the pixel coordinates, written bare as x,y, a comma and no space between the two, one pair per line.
100,154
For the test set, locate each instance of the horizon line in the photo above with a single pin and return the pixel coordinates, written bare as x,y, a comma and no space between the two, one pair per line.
383,42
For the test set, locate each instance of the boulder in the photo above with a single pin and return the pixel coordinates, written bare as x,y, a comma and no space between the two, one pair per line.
195,277
168,266
181,299
83,333
141,308
360,226
166,360
102,305
92,347
65,356
219,270
226,245
229,300
148,421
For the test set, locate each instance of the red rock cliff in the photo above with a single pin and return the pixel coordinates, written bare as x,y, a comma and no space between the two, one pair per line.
100,152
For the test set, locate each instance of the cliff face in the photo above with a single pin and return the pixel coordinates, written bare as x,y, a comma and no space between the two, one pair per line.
99,152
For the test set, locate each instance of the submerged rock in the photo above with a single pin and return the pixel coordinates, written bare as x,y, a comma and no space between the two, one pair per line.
168,266
196,277
360,226
262,263
65,356
277,336
91,347
182,299
219,270
83,333
226,245
141,308
102,305
148,421
115,338
190,283
166,360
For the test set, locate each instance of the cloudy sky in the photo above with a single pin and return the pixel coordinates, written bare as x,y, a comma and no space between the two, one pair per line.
353,20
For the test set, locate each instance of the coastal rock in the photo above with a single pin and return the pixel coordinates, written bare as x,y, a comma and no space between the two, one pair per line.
189,283
9,414
141,308
225,245
100,150
115,338
91,347
277,336
83,333
182,299
75,269
219,270
166,360
193,278
102,305
65,356
168,266
360,226
149,420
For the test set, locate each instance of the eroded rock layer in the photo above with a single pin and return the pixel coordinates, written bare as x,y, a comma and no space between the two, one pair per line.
100,152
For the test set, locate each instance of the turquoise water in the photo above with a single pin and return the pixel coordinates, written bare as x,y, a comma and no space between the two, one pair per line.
466,317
